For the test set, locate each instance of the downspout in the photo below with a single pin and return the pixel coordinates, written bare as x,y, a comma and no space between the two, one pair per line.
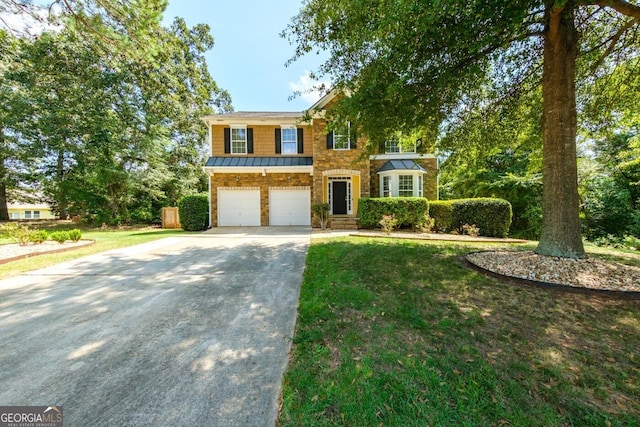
210,142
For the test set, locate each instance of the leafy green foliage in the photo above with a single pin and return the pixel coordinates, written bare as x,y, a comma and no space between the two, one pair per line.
138,143
610,188
455,66
17,232
491,216
39,236
59,236
75,235
442,213
408,211
193,211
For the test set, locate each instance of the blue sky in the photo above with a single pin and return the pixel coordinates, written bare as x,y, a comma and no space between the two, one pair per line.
249,57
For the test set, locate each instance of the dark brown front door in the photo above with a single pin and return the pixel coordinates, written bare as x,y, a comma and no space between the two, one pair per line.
339,198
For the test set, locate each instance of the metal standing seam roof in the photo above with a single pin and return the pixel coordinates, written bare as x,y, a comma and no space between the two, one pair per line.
264,162
401,165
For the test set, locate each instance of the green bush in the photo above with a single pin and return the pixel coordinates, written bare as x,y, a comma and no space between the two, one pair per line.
75,234
59,236
17,232
193,211
442,213
409,211
39,236
491,216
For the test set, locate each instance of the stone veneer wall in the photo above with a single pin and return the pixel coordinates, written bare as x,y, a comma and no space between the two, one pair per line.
430,184
255,180
326,159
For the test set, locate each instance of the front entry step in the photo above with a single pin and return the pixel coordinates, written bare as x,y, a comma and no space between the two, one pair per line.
343,223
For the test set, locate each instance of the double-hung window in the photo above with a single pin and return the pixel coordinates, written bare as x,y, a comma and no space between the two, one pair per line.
238,140
289,140
393,146
27,214
405,186
386,186
342,137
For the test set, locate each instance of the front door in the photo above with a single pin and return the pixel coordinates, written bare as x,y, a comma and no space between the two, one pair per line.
339,198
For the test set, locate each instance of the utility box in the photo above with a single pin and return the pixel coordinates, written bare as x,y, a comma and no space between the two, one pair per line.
170,218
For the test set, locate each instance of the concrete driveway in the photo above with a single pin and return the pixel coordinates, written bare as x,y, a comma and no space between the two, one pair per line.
184,331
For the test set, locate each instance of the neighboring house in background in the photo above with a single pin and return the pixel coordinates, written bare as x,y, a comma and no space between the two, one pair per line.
30,211
267,168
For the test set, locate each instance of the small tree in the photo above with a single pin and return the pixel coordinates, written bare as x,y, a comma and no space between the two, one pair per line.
321,211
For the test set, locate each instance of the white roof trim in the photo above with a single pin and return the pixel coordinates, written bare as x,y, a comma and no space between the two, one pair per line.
401,156
257,169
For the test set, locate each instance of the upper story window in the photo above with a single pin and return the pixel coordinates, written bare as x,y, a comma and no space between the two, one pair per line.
238,140
342,138
393,146
289,140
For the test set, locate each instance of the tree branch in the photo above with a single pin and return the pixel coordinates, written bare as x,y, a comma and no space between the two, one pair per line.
620,6
613,41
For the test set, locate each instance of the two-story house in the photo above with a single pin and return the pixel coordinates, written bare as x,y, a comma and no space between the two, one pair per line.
267,168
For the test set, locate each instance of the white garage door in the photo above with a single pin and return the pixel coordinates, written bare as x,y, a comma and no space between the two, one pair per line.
239,207
290,206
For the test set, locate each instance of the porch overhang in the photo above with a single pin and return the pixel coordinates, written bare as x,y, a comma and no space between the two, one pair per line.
261,165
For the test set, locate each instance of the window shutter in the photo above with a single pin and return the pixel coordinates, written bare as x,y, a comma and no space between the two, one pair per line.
278,141
330,140
382,147
227,140
300,140
353,137
249,140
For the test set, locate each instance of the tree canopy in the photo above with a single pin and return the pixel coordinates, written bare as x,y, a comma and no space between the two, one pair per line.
112,138
443,64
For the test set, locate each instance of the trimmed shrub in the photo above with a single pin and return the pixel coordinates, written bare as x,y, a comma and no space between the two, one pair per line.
442,213
39,236
409,211
193,211
60,236
75,234
491,216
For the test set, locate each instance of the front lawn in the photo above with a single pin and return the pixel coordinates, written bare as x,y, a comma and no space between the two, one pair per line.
105,239
399,333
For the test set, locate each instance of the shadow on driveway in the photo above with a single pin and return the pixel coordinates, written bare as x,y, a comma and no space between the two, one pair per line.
190,330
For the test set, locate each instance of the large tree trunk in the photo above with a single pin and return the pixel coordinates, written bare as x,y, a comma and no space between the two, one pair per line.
63,206
561,234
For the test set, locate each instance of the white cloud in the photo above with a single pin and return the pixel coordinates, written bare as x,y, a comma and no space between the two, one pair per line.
308,88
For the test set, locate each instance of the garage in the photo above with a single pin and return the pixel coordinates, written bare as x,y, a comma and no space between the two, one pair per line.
239,207
290,206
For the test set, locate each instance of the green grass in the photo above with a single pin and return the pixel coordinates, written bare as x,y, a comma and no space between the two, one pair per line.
399,333
104,240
